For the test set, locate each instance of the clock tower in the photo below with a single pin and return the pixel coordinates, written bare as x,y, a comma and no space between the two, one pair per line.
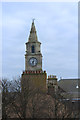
33,73
33,56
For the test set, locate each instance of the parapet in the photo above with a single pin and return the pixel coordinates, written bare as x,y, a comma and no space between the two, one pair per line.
52,77
33,72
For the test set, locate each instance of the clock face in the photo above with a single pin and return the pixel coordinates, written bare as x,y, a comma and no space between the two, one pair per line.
33,61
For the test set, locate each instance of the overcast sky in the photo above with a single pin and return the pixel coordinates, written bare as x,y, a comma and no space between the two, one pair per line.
57,29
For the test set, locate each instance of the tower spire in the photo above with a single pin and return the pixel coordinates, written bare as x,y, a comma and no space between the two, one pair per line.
33,34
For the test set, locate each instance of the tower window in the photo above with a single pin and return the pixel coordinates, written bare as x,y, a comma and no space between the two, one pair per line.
33,49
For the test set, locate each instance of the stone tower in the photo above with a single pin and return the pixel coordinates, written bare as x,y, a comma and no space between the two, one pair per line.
33,74
33,56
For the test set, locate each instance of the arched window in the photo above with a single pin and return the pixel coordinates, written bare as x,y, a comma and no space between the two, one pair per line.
33,49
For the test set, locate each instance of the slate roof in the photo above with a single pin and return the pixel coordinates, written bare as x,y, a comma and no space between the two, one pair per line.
70,86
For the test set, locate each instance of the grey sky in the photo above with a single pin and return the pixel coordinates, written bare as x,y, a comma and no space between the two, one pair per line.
57,29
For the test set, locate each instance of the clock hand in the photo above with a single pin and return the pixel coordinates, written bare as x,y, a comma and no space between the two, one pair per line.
32,62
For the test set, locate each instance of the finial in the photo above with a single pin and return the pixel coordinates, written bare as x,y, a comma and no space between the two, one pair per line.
33,20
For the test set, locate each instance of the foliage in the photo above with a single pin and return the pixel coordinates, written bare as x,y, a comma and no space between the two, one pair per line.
23,102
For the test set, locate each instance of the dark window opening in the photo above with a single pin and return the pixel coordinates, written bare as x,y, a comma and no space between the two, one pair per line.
33,49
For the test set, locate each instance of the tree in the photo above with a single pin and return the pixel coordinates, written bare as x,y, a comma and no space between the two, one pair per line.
20,101
5,97
26,102
41,105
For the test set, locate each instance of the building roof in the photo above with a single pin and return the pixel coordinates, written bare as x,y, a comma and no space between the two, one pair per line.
70,86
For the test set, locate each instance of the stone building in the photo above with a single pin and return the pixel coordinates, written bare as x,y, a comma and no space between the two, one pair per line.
33,62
